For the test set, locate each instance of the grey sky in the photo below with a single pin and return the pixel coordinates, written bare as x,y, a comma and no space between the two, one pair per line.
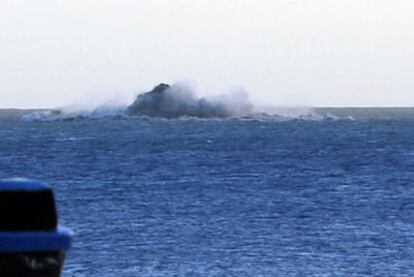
298,52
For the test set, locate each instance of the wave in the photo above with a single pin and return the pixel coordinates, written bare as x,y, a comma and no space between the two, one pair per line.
180,102
55,115
63,115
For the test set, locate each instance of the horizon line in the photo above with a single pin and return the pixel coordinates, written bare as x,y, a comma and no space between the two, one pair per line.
280,106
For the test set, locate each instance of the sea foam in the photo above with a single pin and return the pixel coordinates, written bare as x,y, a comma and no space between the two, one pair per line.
179,101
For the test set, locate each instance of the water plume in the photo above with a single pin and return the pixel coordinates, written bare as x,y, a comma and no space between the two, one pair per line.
179,100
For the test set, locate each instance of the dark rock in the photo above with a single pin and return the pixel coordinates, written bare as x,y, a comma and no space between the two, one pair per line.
174,101
150,103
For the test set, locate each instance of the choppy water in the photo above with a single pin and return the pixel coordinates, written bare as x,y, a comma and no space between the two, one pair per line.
231,197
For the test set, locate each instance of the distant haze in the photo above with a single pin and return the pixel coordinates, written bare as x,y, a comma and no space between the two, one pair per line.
297,52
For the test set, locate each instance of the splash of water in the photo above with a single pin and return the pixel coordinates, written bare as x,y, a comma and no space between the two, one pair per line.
180,101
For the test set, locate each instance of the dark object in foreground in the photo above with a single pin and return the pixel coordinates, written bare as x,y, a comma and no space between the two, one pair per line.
31,243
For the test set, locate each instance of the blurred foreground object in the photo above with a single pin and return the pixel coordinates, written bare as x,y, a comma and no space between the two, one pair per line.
31,243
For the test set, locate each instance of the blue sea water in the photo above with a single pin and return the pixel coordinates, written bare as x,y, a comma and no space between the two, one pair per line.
230,197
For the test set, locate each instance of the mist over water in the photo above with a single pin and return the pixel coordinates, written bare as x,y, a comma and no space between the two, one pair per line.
180,100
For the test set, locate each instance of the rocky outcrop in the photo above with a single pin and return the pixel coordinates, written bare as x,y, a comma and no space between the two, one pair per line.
174,101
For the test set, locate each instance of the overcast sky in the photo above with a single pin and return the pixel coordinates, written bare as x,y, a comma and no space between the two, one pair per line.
297,52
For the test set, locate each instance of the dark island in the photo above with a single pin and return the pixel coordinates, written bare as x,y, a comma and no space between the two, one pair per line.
173,101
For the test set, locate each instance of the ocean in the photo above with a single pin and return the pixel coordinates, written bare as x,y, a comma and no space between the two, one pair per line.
331,194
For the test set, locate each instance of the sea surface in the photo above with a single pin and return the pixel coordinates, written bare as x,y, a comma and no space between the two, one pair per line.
269,196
